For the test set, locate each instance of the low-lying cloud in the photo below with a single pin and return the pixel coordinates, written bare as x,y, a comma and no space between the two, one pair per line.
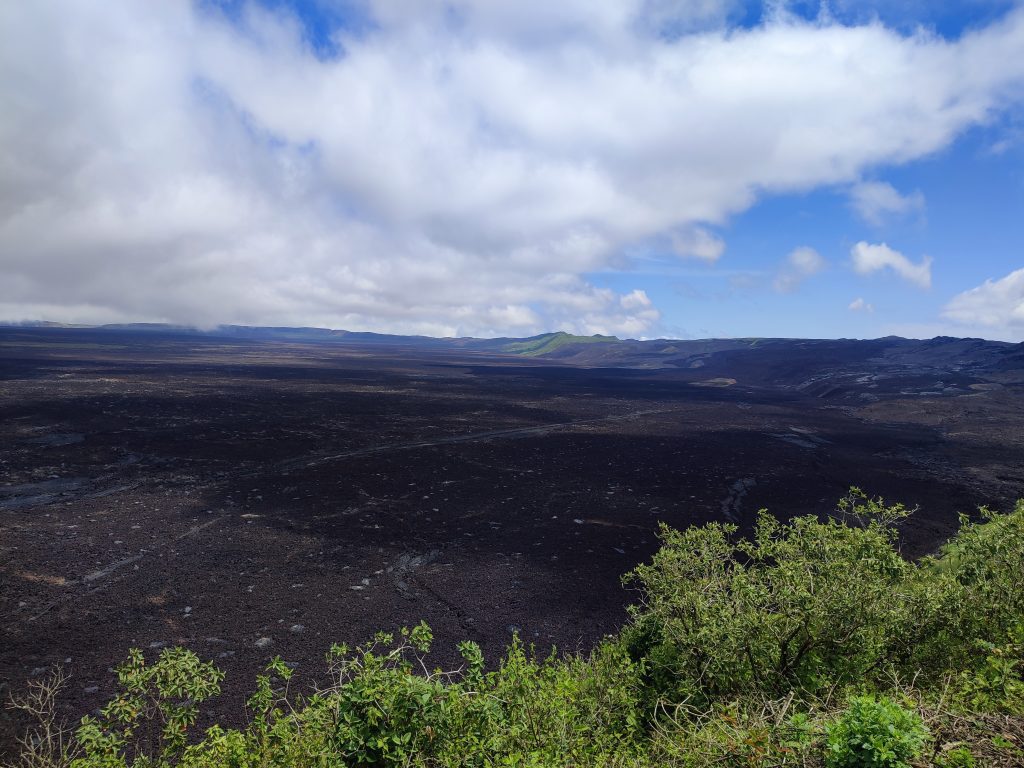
455,168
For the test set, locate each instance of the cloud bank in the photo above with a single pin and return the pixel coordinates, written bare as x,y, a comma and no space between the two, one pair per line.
453,168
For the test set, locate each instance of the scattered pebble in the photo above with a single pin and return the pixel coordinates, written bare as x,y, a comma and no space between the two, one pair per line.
297,629
264,642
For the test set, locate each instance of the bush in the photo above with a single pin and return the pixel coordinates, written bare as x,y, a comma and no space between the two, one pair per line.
382,707
149,720
804,605
742,733
995,684
983,568
875,733
957,757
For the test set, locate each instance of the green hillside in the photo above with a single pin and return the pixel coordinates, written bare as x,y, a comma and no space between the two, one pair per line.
549,342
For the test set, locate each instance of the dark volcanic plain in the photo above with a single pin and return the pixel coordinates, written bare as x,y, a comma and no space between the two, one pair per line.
246,497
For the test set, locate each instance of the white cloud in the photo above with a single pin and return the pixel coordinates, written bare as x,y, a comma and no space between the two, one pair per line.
877,201
459,168
636,314
636,299
869,258
995,305
698,243
800,264
859,305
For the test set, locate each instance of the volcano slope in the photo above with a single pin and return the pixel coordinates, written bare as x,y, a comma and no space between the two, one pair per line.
246,496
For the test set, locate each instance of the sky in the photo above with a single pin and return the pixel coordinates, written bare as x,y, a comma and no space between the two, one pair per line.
642,168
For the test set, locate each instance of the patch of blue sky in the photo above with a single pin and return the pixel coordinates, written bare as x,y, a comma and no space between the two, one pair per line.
948,18
322,19
324,24
969,225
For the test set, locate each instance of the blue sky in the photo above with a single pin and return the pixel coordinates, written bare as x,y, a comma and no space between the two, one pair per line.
475,167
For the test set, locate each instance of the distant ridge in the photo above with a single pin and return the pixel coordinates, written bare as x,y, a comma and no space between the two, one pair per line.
766,359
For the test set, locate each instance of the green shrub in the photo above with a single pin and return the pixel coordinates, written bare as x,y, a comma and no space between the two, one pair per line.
383,713
803,605
740,733
383,707
874,733
148,721
982,568
957,757
996,683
